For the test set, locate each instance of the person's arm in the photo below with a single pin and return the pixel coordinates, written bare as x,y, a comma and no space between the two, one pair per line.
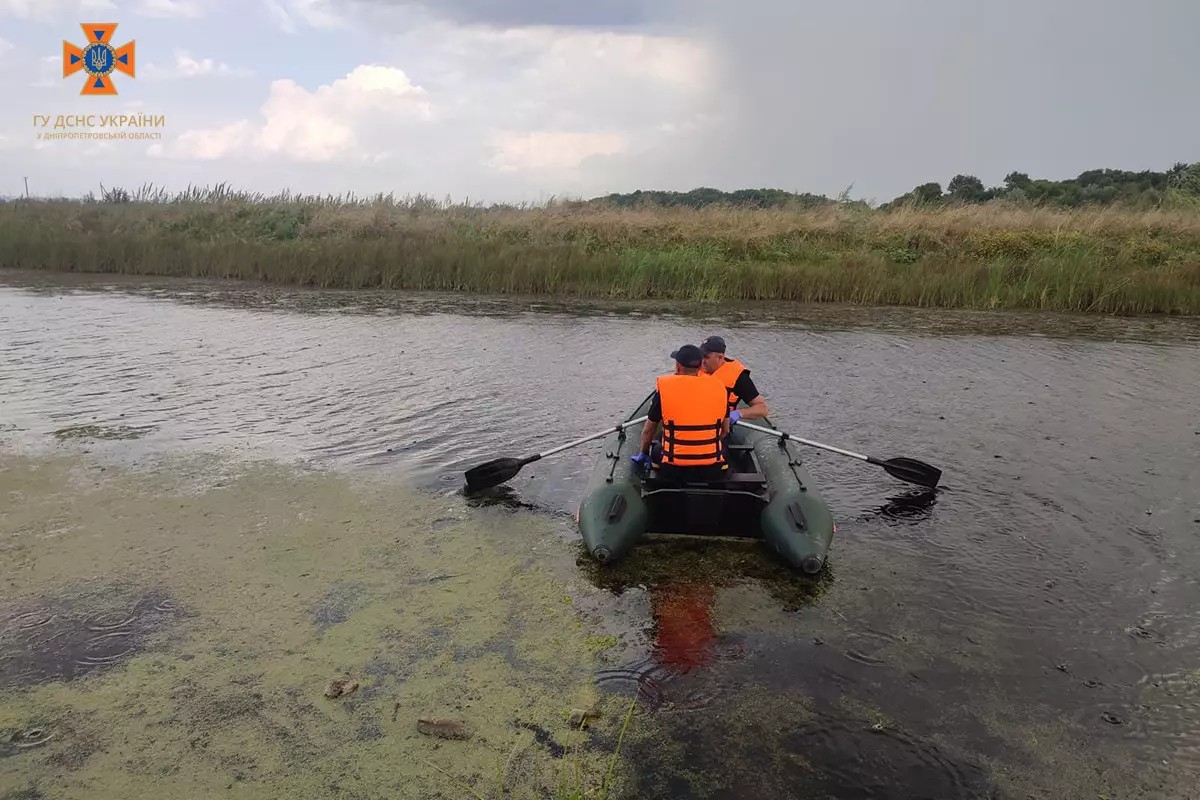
648,435
747,392
653,417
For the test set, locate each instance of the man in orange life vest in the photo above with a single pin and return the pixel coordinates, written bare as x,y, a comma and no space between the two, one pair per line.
694,412
735,377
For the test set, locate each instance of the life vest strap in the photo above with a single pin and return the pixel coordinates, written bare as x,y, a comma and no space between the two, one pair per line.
695,442
671,442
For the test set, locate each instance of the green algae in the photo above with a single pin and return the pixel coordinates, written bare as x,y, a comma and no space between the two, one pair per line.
106,432
598,644
290,579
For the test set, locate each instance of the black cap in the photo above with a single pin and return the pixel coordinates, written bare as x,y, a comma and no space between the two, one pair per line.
689,355
713,344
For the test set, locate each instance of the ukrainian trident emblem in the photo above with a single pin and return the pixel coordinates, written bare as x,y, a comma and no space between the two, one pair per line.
98,59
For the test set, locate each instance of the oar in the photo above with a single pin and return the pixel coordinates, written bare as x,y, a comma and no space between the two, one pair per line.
499,470
906,469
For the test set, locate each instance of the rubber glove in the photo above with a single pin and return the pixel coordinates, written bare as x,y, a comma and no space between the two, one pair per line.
641,459
734,416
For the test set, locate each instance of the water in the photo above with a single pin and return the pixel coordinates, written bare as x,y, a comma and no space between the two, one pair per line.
1029,630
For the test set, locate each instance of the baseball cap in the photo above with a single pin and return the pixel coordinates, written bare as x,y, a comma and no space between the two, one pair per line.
689,355
713,344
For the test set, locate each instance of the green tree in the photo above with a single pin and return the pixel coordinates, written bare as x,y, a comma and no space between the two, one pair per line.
1185,177
928,193
1016,180
966,189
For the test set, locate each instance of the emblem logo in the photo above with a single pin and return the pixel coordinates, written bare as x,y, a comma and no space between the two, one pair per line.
98,59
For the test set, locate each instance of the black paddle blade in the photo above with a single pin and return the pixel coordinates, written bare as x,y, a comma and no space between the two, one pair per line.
913,471
493,473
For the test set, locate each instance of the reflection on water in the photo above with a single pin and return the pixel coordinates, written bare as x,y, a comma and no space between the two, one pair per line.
1017,632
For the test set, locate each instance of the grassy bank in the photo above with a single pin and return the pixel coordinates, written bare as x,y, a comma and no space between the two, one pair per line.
983,256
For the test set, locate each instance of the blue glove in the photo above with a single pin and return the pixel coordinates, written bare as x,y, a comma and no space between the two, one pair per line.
641,459
734,416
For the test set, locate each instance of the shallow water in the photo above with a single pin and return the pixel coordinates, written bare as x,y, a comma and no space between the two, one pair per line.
1029,630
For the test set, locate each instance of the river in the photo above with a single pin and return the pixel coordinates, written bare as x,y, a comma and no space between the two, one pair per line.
1033,629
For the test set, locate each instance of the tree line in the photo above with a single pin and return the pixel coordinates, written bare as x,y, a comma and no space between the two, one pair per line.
704,196
1145,189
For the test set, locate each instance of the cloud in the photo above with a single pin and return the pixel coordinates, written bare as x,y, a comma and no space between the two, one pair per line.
291,14
49,74
562,78
500,114
186,9
5,46
52,10
188,67
552,150
566,13
916,92
495,114
328,124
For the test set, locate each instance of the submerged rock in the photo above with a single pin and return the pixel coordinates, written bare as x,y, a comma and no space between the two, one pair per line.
339,687
443,728
581,717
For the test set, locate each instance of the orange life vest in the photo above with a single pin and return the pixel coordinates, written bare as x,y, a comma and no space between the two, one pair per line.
693,408
728,374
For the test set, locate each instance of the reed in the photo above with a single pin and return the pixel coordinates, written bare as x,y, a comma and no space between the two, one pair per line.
994,255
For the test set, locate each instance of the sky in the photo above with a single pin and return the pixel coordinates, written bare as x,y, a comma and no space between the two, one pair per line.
521,100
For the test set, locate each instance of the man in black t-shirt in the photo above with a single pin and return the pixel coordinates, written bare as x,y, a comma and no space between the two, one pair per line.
735,376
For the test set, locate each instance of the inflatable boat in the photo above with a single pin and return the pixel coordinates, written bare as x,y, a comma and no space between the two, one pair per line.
766,495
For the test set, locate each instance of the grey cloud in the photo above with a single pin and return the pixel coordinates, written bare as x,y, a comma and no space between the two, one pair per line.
816,95
513,13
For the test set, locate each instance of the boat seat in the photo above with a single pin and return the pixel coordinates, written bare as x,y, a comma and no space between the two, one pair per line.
745,477
733,478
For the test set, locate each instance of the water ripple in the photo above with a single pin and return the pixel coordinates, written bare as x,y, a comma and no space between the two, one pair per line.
1063,534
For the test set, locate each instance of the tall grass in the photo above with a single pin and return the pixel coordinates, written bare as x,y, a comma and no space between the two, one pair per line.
990,256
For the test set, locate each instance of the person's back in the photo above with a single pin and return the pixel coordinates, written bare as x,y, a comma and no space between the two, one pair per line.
693,411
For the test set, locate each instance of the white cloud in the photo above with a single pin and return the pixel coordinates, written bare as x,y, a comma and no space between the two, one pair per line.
52,10
470,111
552,150
562,79
324,125
313,13
673,61
49,74
188,67
516,110
186,9
549,101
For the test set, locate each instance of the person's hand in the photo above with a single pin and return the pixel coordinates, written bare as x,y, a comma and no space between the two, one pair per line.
734,416
641,459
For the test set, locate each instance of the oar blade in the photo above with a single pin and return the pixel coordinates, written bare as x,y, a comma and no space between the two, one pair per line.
492,473
913,471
